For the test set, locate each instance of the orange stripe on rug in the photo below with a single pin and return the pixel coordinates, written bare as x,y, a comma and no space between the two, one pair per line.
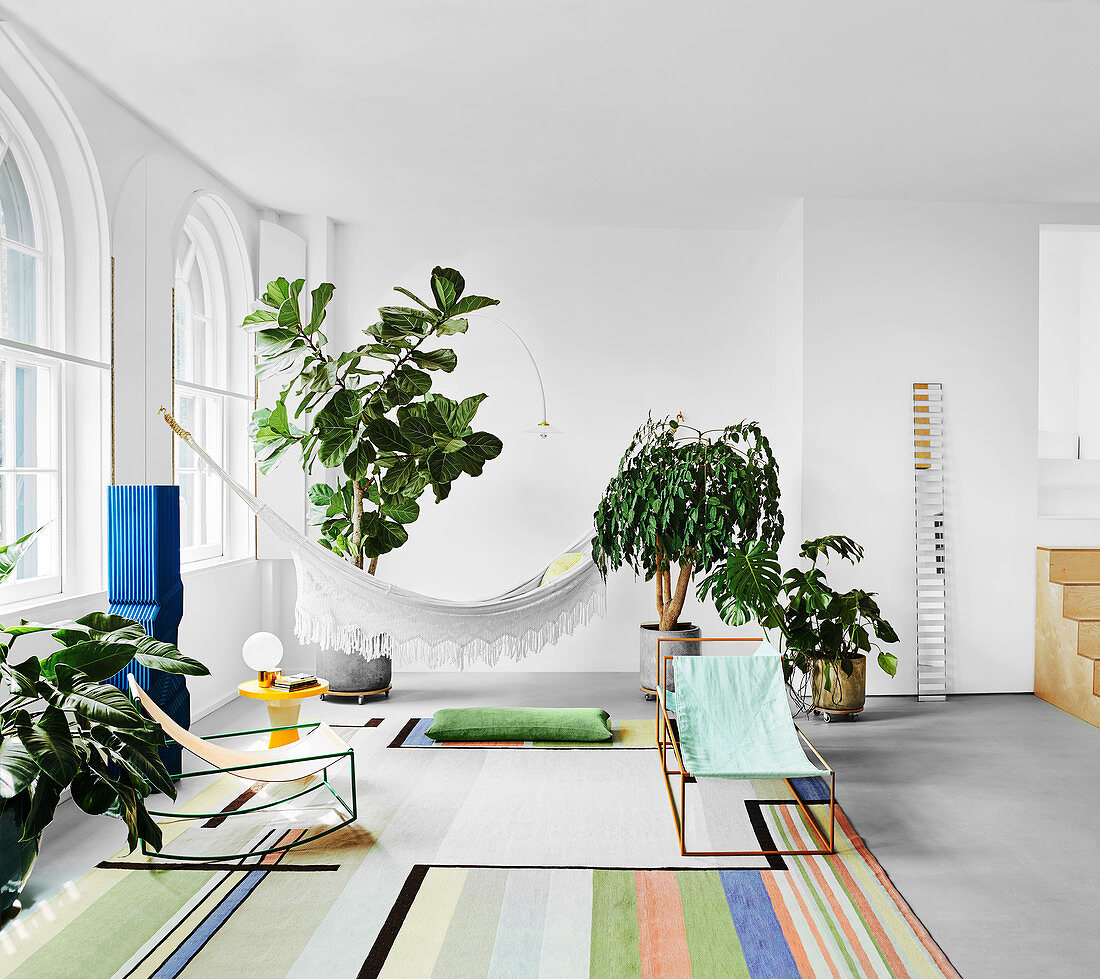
902,905
870,919
662,937
786,925
841,918
826,954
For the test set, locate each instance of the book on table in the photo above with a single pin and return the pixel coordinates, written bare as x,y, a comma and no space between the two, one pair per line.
294,681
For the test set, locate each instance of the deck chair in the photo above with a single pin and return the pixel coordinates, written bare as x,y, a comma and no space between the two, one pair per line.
311,756
733,720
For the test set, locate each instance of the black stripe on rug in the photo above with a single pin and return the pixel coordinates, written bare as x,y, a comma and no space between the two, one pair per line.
763,834
404,732
373,722
244,868
388,935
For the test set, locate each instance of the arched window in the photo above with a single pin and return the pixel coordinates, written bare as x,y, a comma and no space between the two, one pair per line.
29,386
212,396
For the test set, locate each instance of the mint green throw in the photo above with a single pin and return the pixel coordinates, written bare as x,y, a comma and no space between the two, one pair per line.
734,718
519,724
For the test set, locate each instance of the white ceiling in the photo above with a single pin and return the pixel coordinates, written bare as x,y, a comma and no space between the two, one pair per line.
602,112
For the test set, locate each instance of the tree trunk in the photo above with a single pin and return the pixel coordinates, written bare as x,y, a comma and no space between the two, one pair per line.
675,604
373,565
357,522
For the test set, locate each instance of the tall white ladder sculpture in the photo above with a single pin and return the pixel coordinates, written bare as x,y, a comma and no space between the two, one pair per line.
931,577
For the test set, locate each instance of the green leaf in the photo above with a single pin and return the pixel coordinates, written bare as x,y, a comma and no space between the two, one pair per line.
321,494
260,316
471,303
888,662
103,703
486,446
47,793
466,410
449,443
50,743
290,313
436,360
320,296
96,658
358,462
449,327
418,431
25,676
401,510
387,436
415,299
163,656
11,553
443,468
277,292
412,381
337,427
407,319
92,794
398,475
447,287
17,768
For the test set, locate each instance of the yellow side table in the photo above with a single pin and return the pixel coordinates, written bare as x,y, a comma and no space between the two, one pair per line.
282,706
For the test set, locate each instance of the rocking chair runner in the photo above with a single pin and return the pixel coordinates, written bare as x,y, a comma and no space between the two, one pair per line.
313,755
733,720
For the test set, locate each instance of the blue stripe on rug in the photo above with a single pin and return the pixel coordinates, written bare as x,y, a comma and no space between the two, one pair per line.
811,789
763,943
417,738
180,958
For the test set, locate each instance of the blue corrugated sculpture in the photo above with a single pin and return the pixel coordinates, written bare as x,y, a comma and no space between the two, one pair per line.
143,583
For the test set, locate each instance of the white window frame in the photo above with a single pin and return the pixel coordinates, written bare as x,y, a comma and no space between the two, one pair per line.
206,250
52,359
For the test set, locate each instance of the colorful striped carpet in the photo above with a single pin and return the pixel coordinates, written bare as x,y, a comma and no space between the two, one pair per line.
624,734
485,863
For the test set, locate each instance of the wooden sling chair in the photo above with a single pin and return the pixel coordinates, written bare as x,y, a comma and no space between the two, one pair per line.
307,758
733,720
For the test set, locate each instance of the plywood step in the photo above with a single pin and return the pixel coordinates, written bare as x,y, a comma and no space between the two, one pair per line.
1088,640
1081,602
1075,566
1096,679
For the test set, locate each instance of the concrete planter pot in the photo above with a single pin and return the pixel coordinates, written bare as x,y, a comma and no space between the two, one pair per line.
648,635
849,693
351,675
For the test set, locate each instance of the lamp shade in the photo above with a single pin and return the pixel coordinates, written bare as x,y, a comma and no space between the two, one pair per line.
262,651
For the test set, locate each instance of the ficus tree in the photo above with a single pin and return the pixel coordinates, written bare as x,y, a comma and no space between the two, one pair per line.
369,414
682,497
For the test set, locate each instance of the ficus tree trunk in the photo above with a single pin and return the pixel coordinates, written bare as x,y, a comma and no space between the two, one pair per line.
357,523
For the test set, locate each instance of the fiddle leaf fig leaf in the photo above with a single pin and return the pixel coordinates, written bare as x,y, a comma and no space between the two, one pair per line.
447,287
386,434
436,360
452,326
466,410
321,297
290,314
470,304
277,293
402,510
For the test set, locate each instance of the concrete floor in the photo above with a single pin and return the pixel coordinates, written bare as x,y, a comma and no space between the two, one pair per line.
984,810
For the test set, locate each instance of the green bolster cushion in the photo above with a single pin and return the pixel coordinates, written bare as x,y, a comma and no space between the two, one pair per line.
520,724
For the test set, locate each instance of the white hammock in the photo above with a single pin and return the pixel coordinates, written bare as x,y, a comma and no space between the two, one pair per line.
345,608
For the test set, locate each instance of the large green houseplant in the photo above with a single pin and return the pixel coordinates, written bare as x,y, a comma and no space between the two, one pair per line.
62,727
370,416
683,497
824,635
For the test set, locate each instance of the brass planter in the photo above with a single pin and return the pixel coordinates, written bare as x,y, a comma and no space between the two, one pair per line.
848,694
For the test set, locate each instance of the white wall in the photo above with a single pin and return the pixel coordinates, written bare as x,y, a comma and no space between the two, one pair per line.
897,292
621,322
148,184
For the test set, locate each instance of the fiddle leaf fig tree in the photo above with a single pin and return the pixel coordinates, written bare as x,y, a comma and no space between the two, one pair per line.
684,496
369,414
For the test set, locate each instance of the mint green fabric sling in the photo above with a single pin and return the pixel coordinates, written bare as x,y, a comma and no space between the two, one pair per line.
734,718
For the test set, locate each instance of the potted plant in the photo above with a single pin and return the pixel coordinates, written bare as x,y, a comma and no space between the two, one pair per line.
824,635
371,417
62,727
683,497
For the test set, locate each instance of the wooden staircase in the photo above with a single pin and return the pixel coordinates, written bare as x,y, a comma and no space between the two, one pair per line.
1067,630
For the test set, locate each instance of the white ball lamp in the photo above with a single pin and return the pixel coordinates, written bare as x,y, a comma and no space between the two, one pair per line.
263,652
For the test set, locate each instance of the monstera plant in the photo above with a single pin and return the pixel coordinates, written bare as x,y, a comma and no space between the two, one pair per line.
824,635
369,414
62,727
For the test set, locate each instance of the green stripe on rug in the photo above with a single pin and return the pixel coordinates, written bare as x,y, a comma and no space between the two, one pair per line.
101,940
468,945
712,940
615,952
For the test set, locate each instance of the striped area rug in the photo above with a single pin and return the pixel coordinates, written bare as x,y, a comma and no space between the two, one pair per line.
624,734
827,916
485,863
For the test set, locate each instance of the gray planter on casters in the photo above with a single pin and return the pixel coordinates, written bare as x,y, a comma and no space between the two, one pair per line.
352,675
648,635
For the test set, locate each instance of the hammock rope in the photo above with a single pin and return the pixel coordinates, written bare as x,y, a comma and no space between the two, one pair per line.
345,608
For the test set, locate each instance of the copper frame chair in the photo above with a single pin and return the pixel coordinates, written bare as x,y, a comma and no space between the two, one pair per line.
668,737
